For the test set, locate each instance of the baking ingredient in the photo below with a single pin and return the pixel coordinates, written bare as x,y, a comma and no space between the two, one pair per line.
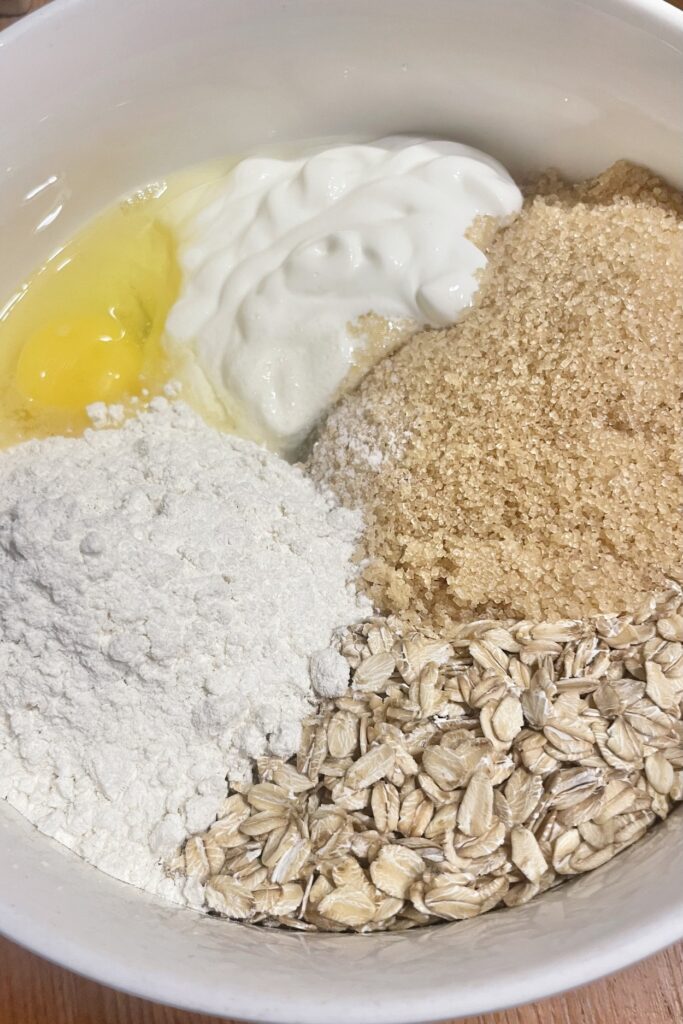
527,462
329,673
162,588
457,777
282,266
86,327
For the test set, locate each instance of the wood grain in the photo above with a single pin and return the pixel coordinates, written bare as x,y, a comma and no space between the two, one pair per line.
33,991
5,21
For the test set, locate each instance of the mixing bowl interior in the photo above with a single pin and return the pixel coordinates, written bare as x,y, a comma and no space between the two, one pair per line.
115,93
111,94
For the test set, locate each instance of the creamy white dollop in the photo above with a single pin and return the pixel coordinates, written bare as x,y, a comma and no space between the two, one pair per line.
288,254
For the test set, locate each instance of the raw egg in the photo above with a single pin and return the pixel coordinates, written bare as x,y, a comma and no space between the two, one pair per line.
84,359
87,326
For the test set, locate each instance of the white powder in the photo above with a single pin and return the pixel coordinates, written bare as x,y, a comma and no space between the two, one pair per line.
162,589
330,674
103,415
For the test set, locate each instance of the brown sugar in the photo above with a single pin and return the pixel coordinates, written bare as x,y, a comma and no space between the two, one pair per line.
527,462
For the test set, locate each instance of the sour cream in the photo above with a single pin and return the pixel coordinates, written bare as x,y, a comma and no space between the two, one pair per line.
287,255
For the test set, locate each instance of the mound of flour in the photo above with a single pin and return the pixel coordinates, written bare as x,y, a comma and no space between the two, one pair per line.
162,588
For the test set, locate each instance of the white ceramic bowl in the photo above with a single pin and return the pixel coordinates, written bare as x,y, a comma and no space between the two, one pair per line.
109,94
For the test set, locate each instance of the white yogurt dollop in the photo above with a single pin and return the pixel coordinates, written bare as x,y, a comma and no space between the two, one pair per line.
289,252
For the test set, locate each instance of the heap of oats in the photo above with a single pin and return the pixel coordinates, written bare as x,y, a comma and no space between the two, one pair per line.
455,777
527,462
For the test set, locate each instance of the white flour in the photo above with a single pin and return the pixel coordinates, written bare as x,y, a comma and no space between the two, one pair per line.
162,587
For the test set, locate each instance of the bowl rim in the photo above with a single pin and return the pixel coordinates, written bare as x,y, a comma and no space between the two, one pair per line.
579,967
644,13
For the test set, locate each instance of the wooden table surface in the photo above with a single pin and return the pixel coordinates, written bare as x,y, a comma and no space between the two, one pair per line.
33,991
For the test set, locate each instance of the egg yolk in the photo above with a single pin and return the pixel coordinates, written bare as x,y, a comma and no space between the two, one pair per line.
69,364
88,325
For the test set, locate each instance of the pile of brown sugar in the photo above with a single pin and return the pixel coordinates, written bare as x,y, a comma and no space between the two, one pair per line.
527,462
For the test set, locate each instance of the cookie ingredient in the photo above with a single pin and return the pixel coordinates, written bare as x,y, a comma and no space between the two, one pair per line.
457,777
87,326
279,269
162,588
527,462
